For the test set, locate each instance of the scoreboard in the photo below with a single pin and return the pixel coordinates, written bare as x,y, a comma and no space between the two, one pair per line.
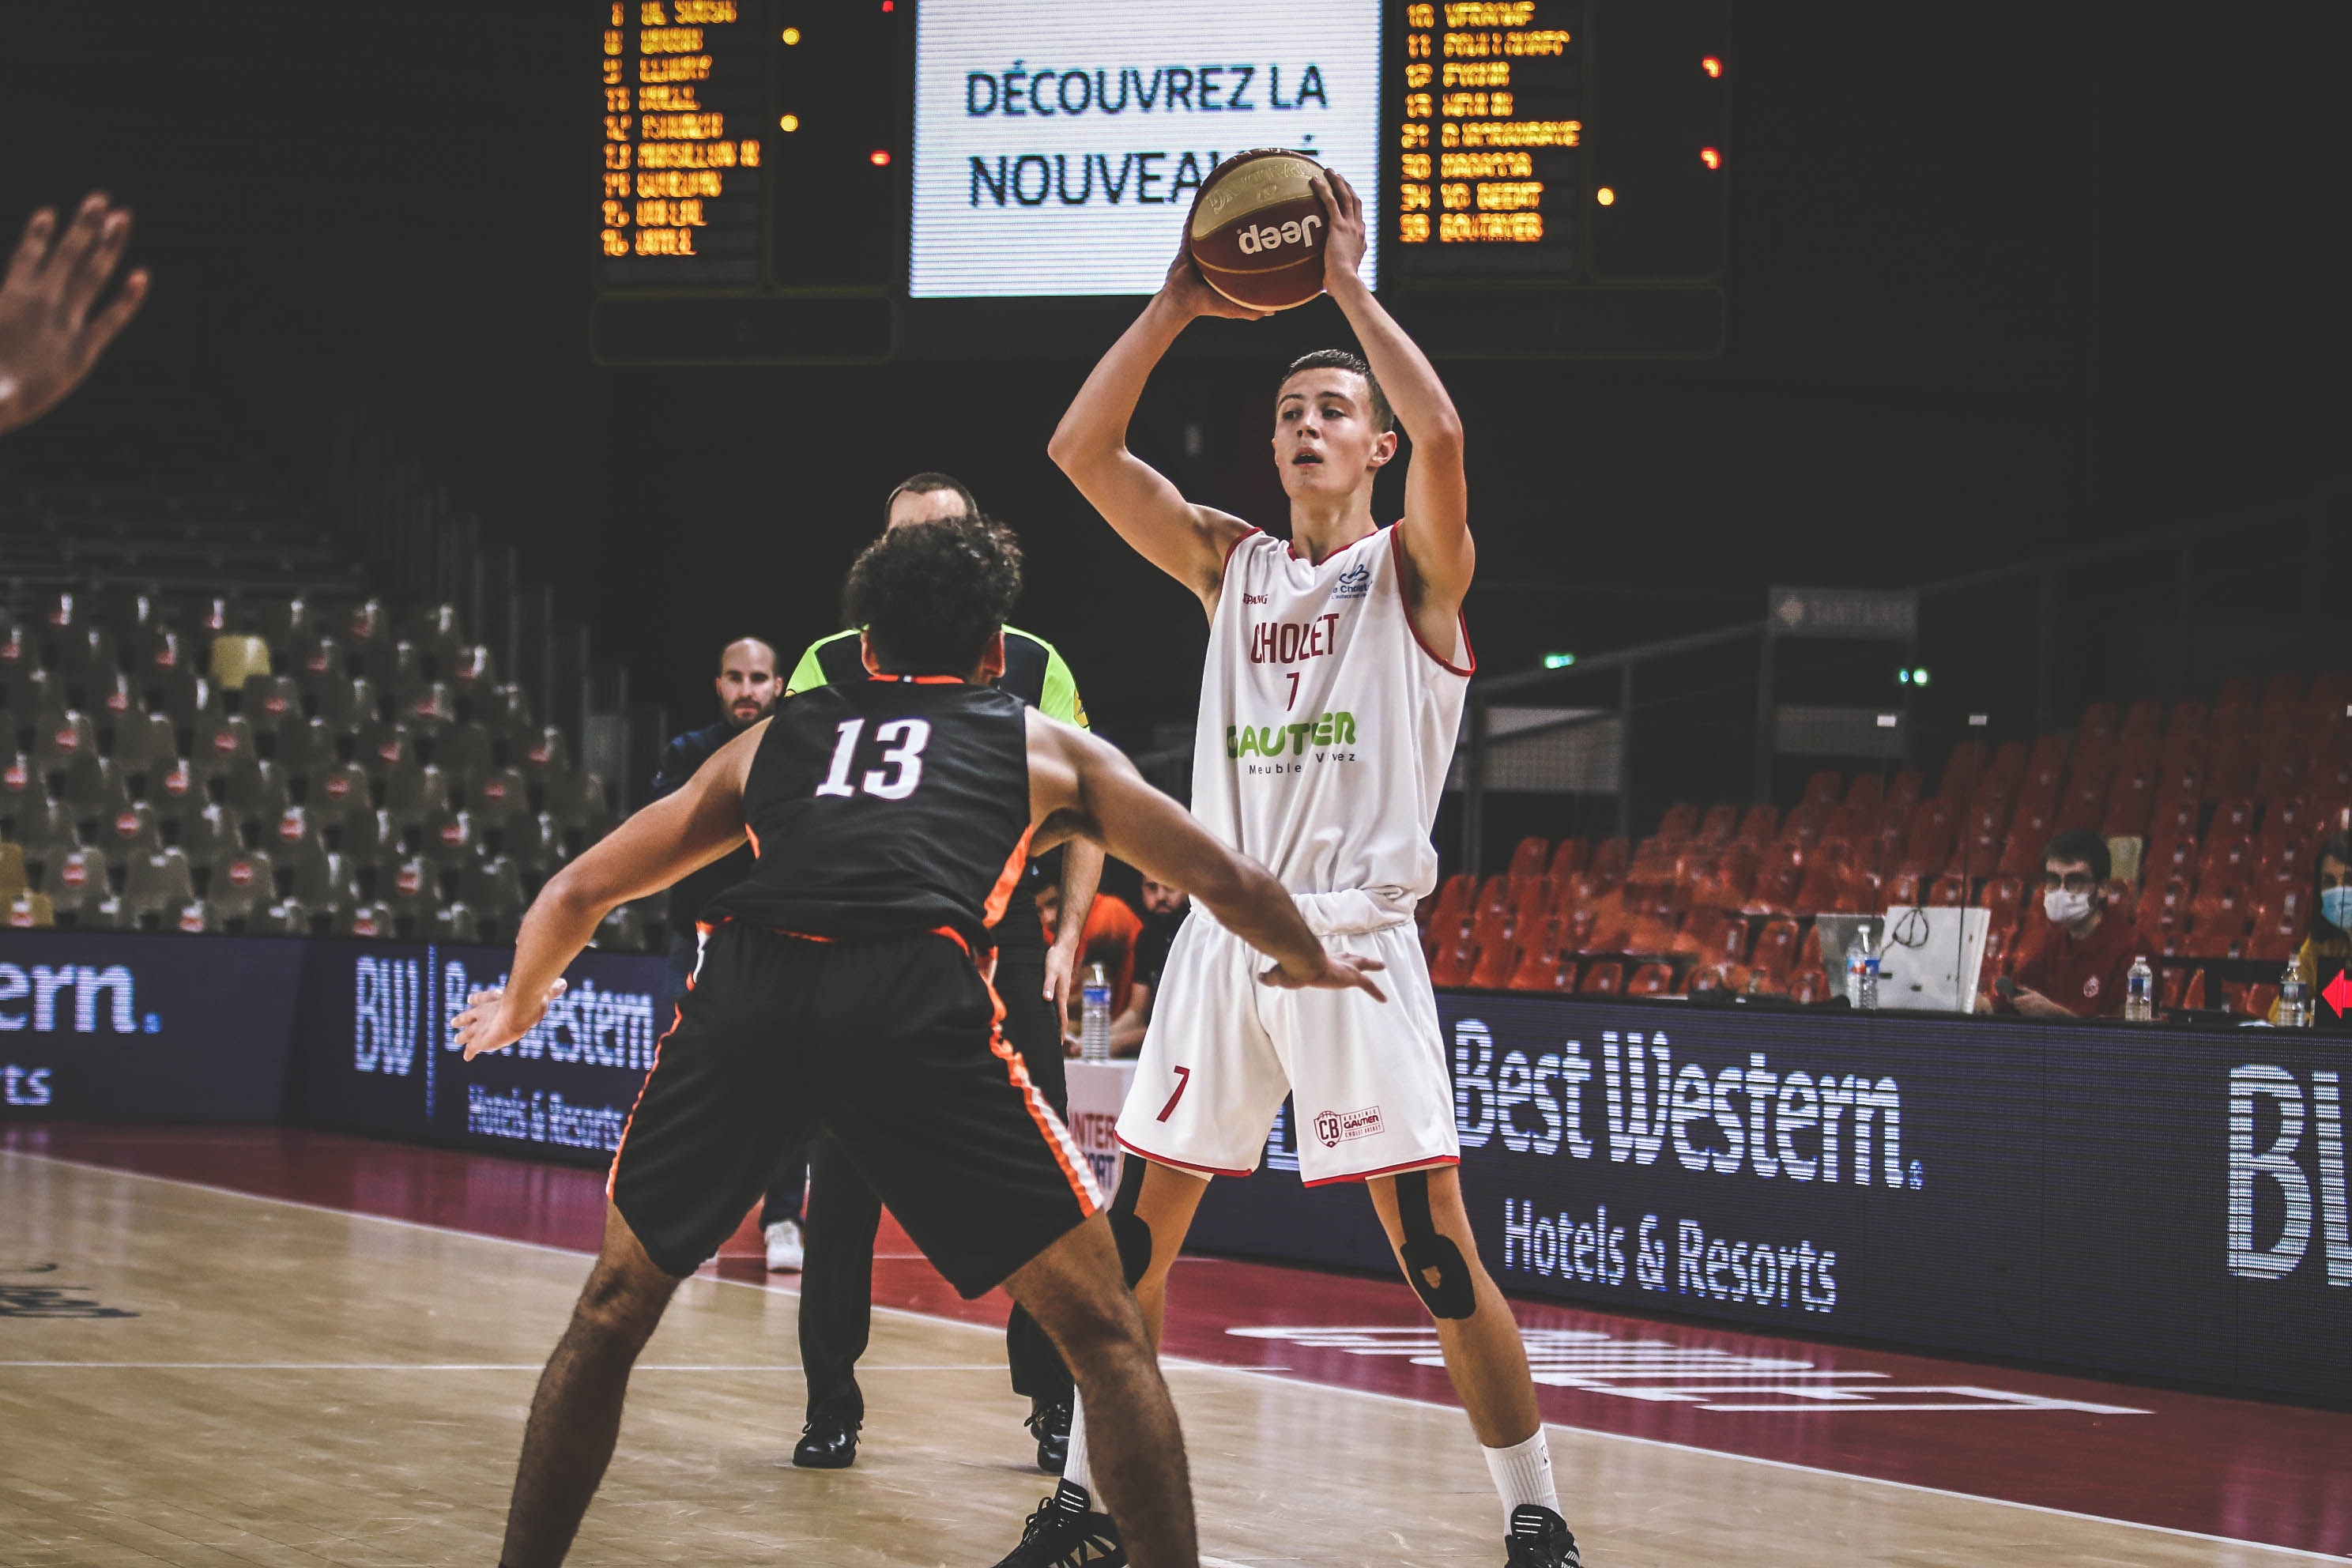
831,181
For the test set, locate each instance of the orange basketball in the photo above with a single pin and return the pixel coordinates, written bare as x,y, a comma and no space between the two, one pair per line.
1256,231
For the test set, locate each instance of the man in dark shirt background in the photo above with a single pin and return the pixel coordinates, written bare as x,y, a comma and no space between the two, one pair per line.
747,689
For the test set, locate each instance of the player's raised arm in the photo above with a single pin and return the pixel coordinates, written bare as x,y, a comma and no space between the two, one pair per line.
681,833
1080,785
1187,542
1435,531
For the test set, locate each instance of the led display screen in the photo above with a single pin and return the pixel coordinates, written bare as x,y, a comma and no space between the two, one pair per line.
1057,144
2153,1201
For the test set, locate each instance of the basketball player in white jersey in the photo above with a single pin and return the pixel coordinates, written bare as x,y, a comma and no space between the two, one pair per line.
1337,667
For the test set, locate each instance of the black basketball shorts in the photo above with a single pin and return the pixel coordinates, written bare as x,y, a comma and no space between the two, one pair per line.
891,1044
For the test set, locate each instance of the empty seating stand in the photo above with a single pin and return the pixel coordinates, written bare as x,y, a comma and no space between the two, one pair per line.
269,750
2224,801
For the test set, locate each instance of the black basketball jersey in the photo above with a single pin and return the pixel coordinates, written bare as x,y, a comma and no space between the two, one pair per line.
886,806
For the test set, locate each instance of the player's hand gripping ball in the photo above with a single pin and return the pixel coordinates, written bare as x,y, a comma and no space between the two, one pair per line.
1257,231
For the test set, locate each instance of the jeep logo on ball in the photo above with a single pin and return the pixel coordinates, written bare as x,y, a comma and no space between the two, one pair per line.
1266,237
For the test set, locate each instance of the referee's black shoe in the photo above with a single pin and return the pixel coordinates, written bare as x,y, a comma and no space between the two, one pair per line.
1539,1539
1049,1423
1066,1532
827,1444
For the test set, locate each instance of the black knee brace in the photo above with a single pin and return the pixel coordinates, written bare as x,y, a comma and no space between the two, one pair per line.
1129,1229
1427,1253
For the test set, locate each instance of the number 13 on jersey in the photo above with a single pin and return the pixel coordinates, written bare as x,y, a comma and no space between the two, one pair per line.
904,760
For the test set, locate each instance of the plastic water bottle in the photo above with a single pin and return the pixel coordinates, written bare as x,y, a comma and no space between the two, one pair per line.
1861,972
2293,1006
2139,993
1094,1017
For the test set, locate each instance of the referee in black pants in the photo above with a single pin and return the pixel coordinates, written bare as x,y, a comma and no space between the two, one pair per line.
843,1214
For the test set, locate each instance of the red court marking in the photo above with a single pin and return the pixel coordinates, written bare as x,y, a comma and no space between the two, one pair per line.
2234,1468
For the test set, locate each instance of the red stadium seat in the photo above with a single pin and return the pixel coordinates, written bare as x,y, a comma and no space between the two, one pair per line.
1866,792
1453,962
1760,825
1651,980
2101,721
1537,972
1610,856
1860,892
2143,719
1950,891
1570,858
1900,890
1680,821
1776,947
1720,824
1824,788
1810,988
1963,770
1606,978
1818,887
1529,859
2004,896
1496,963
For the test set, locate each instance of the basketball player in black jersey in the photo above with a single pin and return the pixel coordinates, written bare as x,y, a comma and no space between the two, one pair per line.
836,989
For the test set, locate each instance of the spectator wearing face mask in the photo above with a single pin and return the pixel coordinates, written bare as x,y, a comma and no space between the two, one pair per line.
2078,970
2327,950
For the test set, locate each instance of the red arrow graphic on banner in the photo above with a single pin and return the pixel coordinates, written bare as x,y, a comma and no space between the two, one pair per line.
2338,994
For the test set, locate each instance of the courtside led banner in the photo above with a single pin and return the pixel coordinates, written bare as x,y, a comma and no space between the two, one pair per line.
2148,1200
1057,144
2153,1201
377,1054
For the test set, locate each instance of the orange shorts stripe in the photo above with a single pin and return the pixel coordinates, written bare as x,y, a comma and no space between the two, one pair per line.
1050,1126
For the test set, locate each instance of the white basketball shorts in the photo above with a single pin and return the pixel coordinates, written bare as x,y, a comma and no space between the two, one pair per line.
1367,1080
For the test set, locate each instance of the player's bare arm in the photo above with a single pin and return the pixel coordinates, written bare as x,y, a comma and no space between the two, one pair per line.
1189,543
1435,531
1082,864
1080,786
678,835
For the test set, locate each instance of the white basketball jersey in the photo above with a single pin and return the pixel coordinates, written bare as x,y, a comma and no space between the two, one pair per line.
1326,729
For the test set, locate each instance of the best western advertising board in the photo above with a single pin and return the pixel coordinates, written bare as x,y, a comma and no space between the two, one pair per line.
2151,1201
377,1054
106,1028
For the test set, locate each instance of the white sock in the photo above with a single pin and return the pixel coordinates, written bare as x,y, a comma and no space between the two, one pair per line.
1522,1474
1075,1471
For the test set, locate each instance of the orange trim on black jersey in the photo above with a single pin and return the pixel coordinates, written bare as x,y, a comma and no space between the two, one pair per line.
1056,1133
754,837
702,929
919,680
1007,879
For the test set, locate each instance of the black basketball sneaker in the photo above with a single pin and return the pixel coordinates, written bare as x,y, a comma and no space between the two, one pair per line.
1066,1532
1049,1423
1539,1539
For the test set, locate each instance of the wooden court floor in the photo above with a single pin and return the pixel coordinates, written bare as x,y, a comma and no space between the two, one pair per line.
195,1376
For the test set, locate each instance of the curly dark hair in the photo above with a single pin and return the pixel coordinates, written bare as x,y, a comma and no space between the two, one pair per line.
931,595
1383,417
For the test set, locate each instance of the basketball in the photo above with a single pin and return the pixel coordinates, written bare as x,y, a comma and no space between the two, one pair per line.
1257,231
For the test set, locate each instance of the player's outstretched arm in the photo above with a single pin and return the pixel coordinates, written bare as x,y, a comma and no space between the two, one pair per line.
1187,542
1079,785
1435,531
681,833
